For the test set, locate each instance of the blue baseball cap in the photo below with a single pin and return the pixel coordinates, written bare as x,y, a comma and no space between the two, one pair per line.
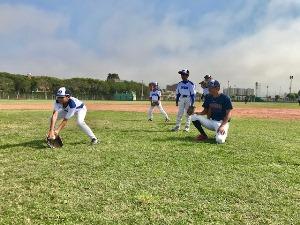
184,72
213,84
62,92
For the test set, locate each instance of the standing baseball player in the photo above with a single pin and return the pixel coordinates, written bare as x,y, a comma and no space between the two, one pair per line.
217,107
185,97
204,85
65,107
155,96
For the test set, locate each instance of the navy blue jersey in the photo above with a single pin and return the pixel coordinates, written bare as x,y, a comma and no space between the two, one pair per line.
217,106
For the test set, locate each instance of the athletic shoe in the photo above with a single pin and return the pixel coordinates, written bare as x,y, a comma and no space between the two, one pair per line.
186,129
201,137
150,120
175,128
94,141
167,120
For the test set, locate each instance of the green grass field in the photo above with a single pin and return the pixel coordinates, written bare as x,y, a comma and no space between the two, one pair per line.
142,173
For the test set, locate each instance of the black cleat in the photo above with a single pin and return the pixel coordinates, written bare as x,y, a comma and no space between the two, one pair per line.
94,141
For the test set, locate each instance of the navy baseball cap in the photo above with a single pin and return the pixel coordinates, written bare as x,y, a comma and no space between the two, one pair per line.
213,84
184,72
207,76
62,92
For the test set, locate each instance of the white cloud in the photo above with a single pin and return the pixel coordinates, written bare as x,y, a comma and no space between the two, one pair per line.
139,46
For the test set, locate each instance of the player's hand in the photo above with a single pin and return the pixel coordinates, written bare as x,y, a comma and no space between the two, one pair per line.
221,130
51,134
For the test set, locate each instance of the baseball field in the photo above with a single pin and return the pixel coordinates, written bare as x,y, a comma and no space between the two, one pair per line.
141,173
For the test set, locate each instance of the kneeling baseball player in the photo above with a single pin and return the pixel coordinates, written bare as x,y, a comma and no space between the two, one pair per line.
217,107
155,95
66,107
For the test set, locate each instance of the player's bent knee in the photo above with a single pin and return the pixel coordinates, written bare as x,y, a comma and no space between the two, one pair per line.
194,117
81,123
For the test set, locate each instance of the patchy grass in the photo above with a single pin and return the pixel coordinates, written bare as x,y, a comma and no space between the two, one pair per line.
274,105
141,173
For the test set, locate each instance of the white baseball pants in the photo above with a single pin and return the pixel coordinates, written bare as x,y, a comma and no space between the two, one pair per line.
183,105
213,125
161,109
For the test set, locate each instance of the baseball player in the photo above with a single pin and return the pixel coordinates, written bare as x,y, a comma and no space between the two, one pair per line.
217,107
185,97
155,95
204,86
65,107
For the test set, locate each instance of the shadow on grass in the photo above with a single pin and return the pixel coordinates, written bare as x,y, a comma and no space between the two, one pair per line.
132,120
143,130
37,144
184,140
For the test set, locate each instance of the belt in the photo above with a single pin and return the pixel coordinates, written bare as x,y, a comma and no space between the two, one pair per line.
185,96
80,107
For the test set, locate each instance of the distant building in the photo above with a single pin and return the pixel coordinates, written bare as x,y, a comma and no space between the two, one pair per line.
168,95
238,93
171,87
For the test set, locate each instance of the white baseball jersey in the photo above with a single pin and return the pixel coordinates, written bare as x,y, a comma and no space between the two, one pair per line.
74,105
187,88
155,95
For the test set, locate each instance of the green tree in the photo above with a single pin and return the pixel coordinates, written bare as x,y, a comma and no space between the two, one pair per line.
113,77
7,85
291,96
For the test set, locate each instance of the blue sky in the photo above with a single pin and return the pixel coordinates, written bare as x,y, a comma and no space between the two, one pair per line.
240,41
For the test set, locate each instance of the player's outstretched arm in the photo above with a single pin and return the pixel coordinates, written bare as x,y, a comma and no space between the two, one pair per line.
61,126
51,133
225,121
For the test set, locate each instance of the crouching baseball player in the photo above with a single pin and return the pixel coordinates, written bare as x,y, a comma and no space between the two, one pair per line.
155,95
185,98
66,107
217,107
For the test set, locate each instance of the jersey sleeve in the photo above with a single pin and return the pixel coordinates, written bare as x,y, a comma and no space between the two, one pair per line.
177,93
206,103
193,93
193,89
56,107
159,94
227,104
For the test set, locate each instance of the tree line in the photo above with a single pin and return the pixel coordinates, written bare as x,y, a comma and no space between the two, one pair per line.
18,86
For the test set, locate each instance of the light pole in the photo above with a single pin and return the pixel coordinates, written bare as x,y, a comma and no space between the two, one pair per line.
267,91
291,81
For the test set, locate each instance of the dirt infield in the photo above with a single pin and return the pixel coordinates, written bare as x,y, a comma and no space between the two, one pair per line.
269,113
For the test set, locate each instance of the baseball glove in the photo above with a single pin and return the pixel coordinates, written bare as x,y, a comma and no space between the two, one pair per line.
191,110
154,103
54,143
